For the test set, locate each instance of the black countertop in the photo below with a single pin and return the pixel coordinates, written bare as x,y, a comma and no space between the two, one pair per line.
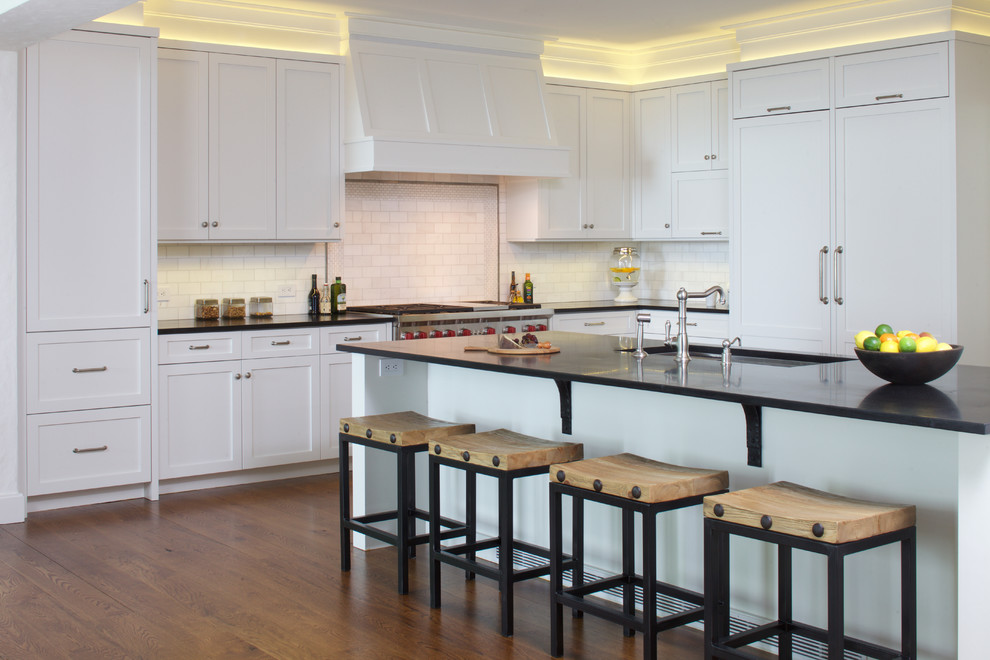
695,305
182,326
958,401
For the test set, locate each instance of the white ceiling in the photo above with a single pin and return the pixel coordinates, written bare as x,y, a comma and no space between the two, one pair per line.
622,23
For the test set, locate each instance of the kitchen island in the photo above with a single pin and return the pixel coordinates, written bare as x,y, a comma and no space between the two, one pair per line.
826,424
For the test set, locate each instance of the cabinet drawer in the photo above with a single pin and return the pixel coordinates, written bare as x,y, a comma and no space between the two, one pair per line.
175,349
279,342
897,74
88,449
82,370
329,338
773,90
599,324
709,328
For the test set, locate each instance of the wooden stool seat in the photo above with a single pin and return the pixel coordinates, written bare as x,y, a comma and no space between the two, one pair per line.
505,450
637,478
796,510
402,428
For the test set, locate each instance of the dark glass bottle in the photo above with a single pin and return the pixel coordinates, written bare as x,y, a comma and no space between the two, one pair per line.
338,296
513,289
528,290
314,299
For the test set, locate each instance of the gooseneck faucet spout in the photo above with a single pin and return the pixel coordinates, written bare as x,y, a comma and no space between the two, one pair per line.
683,351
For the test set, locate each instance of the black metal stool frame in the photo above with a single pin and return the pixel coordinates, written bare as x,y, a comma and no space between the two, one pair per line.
720,644
504,573
405,514
648,624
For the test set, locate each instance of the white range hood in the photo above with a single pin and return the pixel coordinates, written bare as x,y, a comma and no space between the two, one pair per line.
431,99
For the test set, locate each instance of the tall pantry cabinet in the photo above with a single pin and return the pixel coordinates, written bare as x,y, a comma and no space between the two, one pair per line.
856,184
88,260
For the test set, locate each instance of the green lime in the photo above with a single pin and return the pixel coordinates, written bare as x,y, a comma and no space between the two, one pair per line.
907,345
883,329
872,343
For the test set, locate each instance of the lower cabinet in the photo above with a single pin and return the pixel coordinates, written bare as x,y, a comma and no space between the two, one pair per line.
280,411
596,323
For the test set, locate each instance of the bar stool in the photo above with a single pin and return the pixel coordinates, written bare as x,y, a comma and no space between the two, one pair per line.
507,456
404,434
632,484
793,516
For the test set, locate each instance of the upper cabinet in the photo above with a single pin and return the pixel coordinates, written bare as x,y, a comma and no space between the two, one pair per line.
594,202
889,76
249,148
699,126
87,207
781,89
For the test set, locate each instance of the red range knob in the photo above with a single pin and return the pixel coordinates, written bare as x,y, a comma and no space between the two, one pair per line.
436,333
509,329
407,335
465,332
489,331
541,327
529,328
420,335
449,333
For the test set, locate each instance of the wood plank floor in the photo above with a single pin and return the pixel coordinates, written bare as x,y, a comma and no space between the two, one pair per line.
254,572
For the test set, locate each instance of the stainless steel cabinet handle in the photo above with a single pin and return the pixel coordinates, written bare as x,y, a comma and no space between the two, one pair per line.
779,108
837,281
711,233
281,343
147,296
889,96
237,376
247,374
87,450
821,275
358,338
204,224
587,324
87,370
216,224
200,347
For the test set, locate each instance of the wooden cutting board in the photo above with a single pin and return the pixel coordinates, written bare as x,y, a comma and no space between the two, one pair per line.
515,351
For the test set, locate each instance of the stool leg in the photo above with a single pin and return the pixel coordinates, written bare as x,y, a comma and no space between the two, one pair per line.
836,607
434,480
470,516
410,459
649,586
628,568
716,588
577,547
784,613
909,596
556,573
345,505
402,473
505,551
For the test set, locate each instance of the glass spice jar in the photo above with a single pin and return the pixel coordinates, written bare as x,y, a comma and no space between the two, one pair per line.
261,307
208,309
233,308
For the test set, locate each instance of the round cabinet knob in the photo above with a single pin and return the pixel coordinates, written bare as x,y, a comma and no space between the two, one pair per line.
336,224
247,375
237,376
204,224
714,156
666,225
216,224
707,157
591,226
584,226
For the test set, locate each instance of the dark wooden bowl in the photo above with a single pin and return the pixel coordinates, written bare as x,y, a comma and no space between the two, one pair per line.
909,368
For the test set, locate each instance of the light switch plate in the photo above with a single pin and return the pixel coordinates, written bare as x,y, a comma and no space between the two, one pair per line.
164,293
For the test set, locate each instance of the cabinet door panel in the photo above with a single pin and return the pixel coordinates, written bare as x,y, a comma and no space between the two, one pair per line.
894,221
720,125
700,207
308,142
691,133
242,147
652,173
335,401
88,200
564,197
607,162
897,74
781,88
281,411
183,145
780,222
199,418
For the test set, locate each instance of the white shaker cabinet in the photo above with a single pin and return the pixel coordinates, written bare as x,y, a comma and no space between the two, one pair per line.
88,215
594,203
249,148
699,134
651,172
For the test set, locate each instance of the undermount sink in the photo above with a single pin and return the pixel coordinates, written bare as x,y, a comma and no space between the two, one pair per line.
750,356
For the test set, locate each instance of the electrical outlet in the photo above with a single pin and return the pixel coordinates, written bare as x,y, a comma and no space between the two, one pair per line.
287,291
164,293
389,367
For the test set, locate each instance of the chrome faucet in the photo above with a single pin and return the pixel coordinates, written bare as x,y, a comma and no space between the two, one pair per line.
683,353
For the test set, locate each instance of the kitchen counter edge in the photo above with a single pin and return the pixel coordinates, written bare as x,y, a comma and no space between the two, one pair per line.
286,321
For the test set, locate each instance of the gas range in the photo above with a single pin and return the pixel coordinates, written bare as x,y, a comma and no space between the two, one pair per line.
428,320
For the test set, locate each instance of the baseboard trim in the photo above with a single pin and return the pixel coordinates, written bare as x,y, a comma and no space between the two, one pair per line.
13,508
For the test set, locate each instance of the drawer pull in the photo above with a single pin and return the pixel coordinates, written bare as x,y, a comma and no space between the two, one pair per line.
358,338
711,233
87,370
89,450
200,347
281,343
588,324
779,108
889,96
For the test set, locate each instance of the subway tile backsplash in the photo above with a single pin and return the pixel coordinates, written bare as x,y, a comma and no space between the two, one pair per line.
426,238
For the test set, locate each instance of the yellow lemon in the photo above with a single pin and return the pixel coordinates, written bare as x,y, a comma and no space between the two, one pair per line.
890,346
903,333
942,346
926,344
860,336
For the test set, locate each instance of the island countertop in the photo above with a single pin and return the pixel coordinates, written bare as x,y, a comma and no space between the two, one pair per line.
958,401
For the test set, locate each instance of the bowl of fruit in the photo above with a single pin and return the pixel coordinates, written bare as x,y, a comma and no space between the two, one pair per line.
905,358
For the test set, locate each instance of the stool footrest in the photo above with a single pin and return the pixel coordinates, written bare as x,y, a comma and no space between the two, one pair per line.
774,628
452,555
612,612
